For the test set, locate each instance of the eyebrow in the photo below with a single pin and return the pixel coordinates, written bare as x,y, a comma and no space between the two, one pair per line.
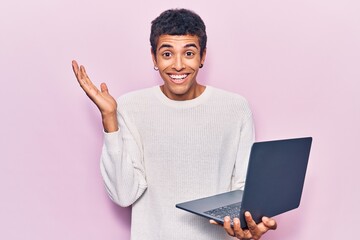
191,45
165,46
186,46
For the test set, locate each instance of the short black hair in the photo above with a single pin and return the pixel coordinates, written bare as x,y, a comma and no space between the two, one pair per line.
178,22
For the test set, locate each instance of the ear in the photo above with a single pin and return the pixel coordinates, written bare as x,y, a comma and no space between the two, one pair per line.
202,60
153,57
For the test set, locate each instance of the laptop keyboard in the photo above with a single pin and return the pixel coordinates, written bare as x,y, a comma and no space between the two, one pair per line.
232,210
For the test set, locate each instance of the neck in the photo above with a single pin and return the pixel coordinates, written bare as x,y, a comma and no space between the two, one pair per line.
189,95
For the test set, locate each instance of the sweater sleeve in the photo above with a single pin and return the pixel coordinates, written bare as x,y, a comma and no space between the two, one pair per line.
122,167
247,138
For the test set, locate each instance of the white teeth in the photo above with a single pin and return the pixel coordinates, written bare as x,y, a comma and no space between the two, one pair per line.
177,77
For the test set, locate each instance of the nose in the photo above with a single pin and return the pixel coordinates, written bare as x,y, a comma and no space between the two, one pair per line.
178,63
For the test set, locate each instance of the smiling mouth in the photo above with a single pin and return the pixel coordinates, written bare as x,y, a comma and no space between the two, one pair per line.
178,78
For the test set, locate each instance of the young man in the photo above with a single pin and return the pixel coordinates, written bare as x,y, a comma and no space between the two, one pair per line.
176,142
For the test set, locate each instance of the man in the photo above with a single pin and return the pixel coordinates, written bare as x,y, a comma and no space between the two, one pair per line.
175,142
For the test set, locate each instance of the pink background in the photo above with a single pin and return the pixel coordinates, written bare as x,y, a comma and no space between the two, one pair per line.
297,62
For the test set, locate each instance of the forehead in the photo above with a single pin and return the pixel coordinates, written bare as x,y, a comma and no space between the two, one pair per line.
177,40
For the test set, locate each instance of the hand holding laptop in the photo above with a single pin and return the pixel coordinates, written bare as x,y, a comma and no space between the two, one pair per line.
254,231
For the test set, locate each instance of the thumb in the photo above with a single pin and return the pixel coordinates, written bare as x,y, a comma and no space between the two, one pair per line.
269,223
213,222
104,88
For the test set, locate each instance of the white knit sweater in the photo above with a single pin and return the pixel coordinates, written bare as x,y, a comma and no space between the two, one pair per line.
167,152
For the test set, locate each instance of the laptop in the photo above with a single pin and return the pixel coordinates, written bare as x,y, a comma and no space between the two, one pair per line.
274,183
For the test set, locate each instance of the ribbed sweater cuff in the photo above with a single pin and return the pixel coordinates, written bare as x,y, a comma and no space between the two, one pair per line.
113,141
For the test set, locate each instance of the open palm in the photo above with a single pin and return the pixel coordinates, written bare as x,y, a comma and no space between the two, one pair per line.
102,99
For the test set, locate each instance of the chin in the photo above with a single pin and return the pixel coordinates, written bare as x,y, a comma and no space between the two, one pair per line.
179,90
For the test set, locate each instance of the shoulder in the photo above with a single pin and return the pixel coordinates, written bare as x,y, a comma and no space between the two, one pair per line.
136,94
136,97
224,97
230,106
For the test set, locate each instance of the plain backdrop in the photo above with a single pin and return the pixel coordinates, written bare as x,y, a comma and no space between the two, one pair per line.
296,61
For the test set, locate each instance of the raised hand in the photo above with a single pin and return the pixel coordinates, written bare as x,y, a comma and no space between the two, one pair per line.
102,99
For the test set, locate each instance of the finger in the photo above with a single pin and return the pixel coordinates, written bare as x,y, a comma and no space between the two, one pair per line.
81,78
79,73
84,78
82,72
90,89
75,67
227,226
237,228
269,223
253,227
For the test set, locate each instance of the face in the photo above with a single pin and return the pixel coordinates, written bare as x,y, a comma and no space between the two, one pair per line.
178,60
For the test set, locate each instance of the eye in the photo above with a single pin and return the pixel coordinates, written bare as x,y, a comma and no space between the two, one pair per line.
166,54
189,54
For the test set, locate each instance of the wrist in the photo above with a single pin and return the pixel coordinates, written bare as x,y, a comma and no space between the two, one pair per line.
110,122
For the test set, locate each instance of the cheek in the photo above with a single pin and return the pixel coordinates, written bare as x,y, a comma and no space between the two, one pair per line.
193,63
164,64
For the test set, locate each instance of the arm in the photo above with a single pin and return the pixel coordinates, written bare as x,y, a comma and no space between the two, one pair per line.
121,165
247,138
